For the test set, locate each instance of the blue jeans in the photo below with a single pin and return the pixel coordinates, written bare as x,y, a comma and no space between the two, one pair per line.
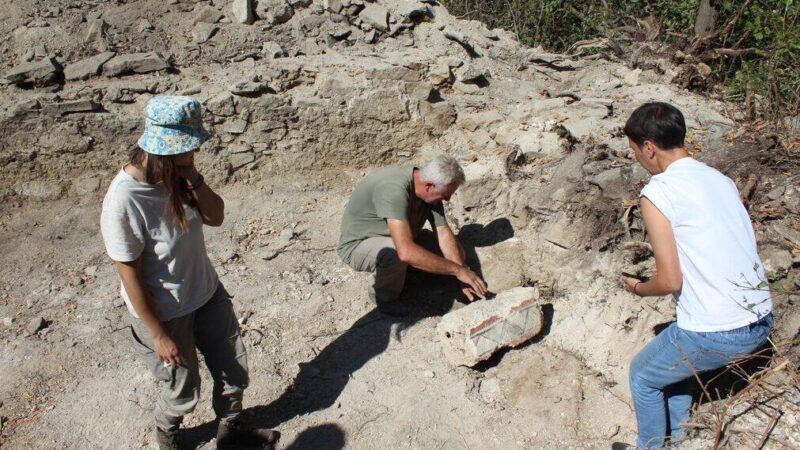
673,356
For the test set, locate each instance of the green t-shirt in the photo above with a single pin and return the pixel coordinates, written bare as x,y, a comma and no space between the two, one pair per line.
387,193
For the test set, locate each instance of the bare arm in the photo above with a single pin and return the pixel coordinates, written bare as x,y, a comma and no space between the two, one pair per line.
668,278
130,274
449,244
414,255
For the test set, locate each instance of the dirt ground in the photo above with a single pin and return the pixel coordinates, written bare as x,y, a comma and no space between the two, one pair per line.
549,202
326,369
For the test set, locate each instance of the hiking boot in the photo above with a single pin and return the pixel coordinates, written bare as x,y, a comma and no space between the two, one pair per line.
621,446
394,309
167,440
233,434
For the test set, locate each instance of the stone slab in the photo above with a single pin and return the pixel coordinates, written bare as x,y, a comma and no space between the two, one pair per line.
475,332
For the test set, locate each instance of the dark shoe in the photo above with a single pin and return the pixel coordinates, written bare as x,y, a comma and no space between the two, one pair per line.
233,434
394,309
621,446
167,440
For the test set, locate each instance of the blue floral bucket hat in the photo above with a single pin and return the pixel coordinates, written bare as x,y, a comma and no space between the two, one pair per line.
172,125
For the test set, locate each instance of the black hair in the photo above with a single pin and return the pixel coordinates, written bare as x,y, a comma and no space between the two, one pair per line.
658,122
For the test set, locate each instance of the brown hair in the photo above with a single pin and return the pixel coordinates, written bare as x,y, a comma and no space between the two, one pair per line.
158,168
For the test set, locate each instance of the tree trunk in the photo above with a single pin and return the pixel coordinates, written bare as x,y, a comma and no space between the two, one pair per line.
706,16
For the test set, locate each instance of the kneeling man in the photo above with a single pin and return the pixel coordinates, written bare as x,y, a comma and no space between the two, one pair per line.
384,218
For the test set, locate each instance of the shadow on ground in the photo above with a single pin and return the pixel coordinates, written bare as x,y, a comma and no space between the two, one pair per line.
321,380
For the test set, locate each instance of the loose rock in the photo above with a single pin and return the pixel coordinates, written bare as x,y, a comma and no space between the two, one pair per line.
243,11
74,106
376,16
35,325
202,32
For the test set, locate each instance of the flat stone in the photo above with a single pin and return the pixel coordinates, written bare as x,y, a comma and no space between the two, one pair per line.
222,105
310,23
334,6
484,120
87,68
96,34
777,261
243,11
42,72
239,160
471,73
376,16
466,88
475,332
135,63
73,106
235,126
202,32
439,74
8,321
776,193
40,190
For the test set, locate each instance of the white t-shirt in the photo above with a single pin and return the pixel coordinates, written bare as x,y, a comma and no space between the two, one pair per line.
175,265
724,283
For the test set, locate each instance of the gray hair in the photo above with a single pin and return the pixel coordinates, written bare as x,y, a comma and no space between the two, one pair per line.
443,172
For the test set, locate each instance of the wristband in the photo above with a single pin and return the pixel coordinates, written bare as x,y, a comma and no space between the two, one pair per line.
634,288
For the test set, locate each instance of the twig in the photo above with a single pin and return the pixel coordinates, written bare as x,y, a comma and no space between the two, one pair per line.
462,439
747,190
767,431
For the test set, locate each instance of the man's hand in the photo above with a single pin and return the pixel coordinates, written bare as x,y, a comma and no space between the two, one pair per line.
469,293
474,284
167,350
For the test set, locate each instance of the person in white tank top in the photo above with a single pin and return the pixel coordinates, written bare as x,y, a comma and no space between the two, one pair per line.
705,256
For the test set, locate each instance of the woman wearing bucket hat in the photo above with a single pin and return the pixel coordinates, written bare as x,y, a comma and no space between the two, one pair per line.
152,225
